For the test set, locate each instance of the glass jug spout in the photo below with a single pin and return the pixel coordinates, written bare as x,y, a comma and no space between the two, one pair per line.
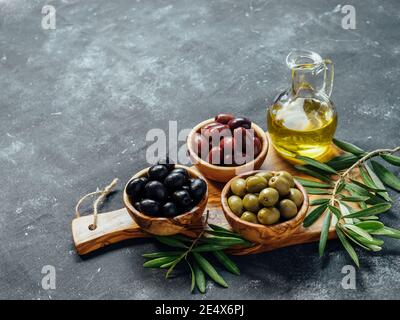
307,69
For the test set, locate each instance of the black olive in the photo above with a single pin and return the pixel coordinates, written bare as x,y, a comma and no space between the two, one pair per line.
198,188
157,172
170,210
135,187
182,171
182,198
137,205
186,187
167,162
239,122
174,180
155,190
150,207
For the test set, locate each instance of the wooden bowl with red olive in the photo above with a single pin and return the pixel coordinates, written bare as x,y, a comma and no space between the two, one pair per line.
226,146
166,199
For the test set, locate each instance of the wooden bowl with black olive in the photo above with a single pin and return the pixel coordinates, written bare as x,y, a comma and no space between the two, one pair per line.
166,199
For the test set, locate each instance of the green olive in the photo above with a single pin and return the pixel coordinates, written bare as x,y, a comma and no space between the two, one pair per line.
296,196
287,176
268,216
265,174
256,184
287,208
238,187
250,202
236,205
268,197
280,184
249,217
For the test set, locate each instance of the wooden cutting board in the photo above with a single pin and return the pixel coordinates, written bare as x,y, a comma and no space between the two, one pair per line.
115,226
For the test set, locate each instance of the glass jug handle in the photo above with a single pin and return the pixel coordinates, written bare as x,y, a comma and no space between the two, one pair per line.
328,77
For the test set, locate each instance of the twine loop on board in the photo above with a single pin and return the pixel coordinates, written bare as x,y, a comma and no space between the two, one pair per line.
102,194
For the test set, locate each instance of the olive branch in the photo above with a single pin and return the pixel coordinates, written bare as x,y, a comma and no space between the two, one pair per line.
370,195
211,240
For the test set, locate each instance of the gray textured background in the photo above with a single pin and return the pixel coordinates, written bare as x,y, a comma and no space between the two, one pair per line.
77,101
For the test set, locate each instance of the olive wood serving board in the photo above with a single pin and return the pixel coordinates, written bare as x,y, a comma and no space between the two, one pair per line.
115,226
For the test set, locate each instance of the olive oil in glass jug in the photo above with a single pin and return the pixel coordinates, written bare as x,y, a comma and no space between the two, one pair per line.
302,120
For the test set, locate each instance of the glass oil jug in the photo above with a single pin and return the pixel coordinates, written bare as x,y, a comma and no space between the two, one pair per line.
302,120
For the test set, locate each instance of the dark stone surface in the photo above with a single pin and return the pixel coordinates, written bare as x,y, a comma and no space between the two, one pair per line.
76,103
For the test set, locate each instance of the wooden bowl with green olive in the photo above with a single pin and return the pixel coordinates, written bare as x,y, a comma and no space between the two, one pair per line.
264,206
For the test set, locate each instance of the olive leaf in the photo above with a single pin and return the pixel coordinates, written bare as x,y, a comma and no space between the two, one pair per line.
209,247
324,233
354,198
171,242
161,254
343,161
386,176
365,177
357,190
378,183
347,246
341,186
316,202
313,173
192,276
224,234
312,184
226,262
158,262
318,191
376,209
335,211
348,147
358,230
394,160
218,228
316,164
345,210
209,269
226,241
387,232
314,215
367,187
370,226
200,277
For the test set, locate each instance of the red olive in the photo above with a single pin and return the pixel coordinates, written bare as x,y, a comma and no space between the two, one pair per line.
239,122
215,155
224,118
242,138
215,133
210,125
227,144
257,146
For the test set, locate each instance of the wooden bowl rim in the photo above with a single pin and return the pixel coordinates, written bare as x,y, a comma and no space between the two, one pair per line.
262,155
278,227
178,218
